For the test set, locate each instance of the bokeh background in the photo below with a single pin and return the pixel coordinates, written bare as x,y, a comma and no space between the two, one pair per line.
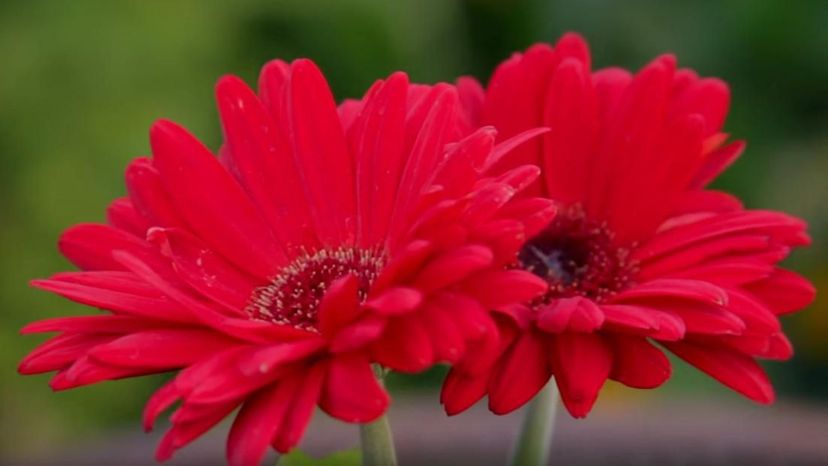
81,82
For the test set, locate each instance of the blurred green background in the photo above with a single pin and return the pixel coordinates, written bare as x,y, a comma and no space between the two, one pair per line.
81,81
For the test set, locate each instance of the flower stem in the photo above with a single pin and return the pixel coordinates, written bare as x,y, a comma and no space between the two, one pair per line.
377,443
376,438
535,439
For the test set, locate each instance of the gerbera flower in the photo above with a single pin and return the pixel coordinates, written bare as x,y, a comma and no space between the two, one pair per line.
641,252
273,277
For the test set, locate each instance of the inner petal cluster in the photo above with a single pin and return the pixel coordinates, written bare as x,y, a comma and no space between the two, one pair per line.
578,256
293,296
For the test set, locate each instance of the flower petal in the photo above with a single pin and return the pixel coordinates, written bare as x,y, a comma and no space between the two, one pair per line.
737,371
581,363
522,372
638,364
351,392
225,218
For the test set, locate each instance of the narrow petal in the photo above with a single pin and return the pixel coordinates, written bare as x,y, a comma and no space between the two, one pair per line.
121,214
377,141
581,363
395,301
571,113
351,392
89,246
149,196
784,291
736,371
322,155
204,270
460,391
263,161
452,267
716,163
405,345
226,219
358,334
299,415
522,372
339,305
113,296
498,288
638,364
161,349
257,423
424,156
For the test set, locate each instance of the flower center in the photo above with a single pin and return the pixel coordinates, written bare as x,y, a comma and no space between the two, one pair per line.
577,256
292,297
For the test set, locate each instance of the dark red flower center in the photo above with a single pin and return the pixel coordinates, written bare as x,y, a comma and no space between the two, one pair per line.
293,296
577,256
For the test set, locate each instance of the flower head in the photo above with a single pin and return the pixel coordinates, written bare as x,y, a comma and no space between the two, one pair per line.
322,240
641,252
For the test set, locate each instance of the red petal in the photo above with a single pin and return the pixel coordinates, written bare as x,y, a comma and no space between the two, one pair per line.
570,110
339,305
534,213
269,358
447,340
452,266
358,334
514,100
504,237
472,96
86,371
161,349
89,246
351,392
272,80
737,371
404,264
182,433
506,146
162,399
644,321
322,155
395,301
262,160
581,363
122,215
665,288
784,291
149,196
575,314
405,345
423,158
258,421
716,163
638,364
101,324
377,140
522,372
60,352
499,288
302,406
461,391
115,294
204,270
224,218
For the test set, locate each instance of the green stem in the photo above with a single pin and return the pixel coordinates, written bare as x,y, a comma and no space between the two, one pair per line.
376,438
535,439
377,443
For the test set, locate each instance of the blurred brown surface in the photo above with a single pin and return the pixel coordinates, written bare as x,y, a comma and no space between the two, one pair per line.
663,433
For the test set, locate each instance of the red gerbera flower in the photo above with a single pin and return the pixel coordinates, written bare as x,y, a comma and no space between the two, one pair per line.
269,278
641,252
